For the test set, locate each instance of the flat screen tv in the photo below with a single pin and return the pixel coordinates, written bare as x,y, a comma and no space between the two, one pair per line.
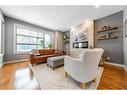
80,44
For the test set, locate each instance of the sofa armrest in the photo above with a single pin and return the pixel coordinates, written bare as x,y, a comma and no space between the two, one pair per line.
31,58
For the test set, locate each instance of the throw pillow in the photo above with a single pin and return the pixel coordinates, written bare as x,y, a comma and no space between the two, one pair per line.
35,52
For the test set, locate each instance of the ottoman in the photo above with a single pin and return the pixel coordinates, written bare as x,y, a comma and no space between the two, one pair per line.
55,61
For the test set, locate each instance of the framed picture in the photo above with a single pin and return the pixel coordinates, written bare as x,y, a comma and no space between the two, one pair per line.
126,28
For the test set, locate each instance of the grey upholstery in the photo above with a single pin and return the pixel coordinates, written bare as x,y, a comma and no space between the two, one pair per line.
55,61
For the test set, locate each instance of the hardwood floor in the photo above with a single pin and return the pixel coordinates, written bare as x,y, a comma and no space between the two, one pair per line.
113,77
19,76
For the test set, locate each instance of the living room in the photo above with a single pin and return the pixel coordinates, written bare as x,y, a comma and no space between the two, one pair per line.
43,50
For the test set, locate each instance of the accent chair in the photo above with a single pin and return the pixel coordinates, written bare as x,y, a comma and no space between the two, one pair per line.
84,68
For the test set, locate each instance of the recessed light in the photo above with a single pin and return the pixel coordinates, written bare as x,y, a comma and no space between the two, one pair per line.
19,15
86,20
97,6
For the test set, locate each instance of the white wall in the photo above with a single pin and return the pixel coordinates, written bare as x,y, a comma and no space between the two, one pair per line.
125,38
88,28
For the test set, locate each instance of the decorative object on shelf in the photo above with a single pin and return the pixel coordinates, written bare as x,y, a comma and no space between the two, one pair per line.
90,47
66,38
108,27
108,34
104,28
67,41
125,28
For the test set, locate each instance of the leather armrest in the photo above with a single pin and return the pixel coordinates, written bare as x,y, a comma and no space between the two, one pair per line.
31,58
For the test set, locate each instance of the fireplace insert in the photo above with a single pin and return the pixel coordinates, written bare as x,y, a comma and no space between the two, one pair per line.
80,44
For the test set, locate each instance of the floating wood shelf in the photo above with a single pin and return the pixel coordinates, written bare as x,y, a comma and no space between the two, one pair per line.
67,42
107,38
67,38
114,28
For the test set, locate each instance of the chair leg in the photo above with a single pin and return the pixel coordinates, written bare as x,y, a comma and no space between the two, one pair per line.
83,85
94,80
53,68
66,74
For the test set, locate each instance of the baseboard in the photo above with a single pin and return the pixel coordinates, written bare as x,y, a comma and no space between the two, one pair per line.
125,68
1,65
15,61
115,64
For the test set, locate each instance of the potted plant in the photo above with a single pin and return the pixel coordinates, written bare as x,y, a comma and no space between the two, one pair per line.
50,45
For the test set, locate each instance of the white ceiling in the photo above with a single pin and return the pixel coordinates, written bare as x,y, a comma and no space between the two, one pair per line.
58,17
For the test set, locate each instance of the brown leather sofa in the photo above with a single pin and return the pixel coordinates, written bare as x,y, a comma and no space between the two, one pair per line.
43,55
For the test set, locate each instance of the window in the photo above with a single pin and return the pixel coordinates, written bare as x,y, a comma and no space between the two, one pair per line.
47,40
27,39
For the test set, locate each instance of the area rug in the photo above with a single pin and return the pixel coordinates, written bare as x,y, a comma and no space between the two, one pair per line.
56,80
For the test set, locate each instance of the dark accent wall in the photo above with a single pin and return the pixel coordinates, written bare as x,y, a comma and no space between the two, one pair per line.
9,36
113,48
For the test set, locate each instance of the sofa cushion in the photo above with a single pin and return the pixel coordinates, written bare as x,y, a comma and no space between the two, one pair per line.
43,56
46,51
35,52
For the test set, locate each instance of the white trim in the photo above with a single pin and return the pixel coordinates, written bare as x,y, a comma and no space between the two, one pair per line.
14,41
1,16
115,64
15,61
1,65
3,34
31,29
125,68
22,27
27,27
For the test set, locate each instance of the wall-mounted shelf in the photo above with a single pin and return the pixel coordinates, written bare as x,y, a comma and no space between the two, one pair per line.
107,38
66,41
114,28
66,38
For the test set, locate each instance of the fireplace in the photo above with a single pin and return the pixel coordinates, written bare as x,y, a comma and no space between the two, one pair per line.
83,44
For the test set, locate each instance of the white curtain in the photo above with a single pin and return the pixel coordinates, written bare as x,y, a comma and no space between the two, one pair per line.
59,40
